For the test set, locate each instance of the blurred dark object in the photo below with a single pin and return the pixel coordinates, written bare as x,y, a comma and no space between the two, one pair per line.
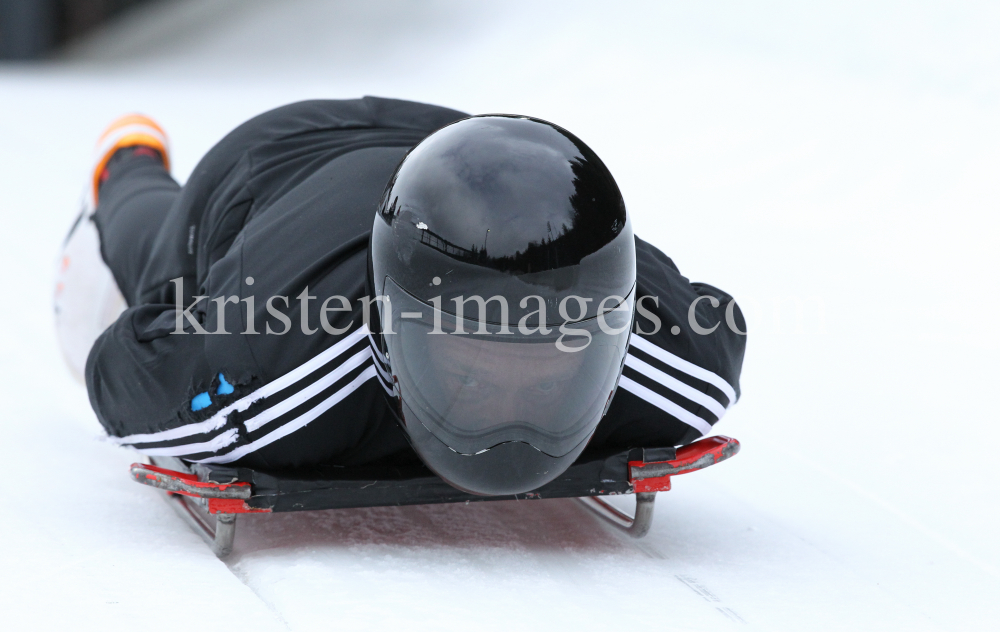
29,29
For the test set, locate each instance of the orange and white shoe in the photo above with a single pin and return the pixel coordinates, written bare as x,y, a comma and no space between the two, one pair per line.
87,298
131,130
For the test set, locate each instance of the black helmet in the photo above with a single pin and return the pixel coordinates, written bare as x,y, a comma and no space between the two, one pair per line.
505,265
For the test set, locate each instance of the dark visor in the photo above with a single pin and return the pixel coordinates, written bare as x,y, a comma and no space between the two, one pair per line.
494,384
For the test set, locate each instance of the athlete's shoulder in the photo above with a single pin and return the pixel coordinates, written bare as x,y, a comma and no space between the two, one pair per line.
649,258
330,114
320,115
397,113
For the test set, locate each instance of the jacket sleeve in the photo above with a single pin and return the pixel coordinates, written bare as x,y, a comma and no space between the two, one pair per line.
143,383
682,370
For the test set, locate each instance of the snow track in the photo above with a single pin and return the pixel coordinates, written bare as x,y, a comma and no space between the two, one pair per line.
835,168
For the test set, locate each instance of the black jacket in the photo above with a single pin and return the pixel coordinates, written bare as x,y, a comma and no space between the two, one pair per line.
288,200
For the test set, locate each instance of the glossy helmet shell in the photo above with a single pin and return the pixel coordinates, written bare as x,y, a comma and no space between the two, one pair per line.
510,206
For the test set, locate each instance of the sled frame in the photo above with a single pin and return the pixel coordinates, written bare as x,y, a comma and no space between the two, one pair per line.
635,526
193,500
209,499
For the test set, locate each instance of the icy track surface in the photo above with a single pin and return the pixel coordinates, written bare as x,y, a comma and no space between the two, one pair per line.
835,168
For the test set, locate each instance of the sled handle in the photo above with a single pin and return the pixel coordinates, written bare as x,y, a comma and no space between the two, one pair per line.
187,484
651,477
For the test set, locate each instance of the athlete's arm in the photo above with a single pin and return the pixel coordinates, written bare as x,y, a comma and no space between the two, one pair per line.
684,361
154,390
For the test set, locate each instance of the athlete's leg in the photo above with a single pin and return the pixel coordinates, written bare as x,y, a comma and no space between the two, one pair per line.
134,200
128,193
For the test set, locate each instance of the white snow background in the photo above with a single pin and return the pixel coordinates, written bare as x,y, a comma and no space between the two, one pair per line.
834,165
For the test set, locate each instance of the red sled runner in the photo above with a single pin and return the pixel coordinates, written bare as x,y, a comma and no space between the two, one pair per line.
209,497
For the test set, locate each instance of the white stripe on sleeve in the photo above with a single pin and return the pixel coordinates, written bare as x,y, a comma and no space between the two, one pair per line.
688,391
202,427
665,405
295,424
680,364
309,392
225,439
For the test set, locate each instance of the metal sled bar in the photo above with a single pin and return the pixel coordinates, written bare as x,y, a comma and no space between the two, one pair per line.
635,526
218,530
